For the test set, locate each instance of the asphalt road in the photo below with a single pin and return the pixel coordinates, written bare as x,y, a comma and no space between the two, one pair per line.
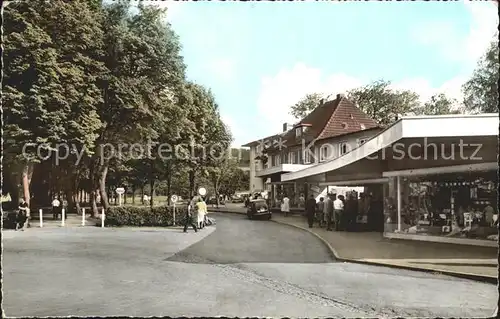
238,268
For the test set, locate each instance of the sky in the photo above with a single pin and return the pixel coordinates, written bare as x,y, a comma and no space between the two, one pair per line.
259,58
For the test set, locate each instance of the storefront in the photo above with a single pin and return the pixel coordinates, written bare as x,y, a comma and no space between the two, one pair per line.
460,203
438,177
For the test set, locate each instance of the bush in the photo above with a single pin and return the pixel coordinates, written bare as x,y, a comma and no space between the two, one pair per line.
161,216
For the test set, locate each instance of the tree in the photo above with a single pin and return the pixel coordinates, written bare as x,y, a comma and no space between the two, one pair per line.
481,91
308,103
382,103
438,105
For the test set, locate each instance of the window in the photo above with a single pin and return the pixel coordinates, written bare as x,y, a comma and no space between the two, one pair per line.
298,131
277,160
307,157
344,148
361,141
299,157
291,157
323,152
258,149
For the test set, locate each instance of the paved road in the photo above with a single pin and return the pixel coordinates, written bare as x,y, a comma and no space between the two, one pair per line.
241,268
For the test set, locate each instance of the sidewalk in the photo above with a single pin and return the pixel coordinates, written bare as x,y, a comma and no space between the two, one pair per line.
479,263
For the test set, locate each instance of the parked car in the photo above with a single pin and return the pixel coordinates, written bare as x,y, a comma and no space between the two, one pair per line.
237,199
258,208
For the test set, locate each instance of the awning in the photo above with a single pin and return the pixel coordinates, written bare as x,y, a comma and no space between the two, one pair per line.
439,126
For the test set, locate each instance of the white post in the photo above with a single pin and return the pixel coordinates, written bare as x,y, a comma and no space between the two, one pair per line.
174,215
63,215
120,199
83,216
102,218
40,212
398,187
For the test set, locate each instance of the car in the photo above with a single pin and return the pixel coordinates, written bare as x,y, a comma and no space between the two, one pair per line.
258,208
237,199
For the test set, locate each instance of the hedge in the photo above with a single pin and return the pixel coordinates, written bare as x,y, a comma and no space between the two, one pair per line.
159,216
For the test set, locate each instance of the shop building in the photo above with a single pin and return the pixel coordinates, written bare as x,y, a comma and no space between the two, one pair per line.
427,177
332,129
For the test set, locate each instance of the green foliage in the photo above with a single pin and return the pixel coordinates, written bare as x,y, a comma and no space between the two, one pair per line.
308,103
438,105
159,216
481,91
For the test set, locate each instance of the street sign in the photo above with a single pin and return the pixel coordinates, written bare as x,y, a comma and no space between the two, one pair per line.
202,191
120,190
174,198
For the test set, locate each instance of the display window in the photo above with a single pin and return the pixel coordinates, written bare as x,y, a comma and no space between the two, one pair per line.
454,205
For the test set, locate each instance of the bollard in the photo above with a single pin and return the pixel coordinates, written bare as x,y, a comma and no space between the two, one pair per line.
102,218
40,212
63,215
83,216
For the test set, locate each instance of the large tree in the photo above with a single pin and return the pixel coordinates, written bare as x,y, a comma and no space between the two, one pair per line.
439,104
481,91
382,103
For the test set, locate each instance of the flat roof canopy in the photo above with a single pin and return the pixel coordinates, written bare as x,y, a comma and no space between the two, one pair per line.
447,132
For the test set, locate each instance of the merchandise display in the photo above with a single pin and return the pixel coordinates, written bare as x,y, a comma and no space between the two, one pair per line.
446,205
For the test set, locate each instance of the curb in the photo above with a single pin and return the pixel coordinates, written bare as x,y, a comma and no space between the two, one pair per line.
333,252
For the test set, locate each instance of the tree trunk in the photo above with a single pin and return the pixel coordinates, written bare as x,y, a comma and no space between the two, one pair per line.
133,194
26,180
102,185
93,203
151,191
142,193
192,190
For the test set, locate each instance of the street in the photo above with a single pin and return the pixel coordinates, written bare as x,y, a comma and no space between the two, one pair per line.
237,268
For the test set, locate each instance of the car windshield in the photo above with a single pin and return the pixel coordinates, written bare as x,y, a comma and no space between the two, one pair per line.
260,205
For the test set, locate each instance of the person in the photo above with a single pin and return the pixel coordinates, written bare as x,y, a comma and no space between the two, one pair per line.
302,200
310,210
22,215
329,211
56,208
321,207
338,208
285,206
201,208
189,221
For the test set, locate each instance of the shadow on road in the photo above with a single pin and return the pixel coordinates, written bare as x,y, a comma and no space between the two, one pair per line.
239,240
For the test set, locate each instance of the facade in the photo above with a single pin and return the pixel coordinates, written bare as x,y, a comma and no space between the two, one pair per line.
428,177
329,131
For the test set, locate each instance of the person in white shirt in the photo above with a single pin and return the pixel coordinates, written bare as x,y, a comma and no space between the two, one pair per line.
338,209
55,208
285,206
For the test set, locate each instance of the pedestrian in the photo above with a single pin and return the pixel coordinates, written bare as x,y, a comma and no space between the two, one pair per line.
285,206
321,208
310,210
338,209
56,208
189,220
329,210
22,215
201,208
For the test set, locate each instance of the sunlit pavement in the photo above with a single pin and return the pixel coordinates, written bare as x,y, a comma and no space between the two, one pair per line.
241,268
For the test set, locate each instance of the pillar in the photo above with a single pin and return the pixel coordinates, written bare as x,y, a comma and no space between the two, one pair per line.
398,194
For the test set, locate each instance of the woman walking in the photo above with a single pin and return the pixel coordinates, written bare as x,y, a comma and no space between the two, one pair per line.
201,208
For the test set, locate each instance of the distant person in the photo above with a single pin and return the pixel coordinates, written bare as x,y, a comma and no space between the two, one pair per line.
329,210
302,200
22,215
338,209
310,210
201,208
190,219
285,206
56,208
320,208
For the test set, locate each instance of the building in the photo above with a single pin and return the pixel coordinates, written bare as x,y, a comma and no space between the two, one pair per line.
429,176
331,130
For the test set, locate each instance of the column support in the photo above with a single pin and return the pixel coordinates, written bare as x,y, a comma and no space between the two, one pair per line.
398,183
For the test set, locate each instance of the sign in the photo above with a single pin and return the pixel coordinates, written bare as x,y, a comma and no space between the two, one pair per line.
202,191
120,190
173,198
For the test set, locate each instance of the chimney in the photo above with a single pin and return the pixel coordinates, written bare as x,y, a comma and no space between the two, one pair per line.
321,102
287,127
339,96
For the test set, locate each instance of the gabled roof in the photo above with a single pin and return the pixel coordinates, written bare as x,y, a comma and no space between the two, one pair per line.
333,118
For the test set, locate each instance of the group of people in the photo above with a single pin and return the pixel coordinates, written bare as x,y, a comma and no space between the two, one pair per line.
196,214
327,211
